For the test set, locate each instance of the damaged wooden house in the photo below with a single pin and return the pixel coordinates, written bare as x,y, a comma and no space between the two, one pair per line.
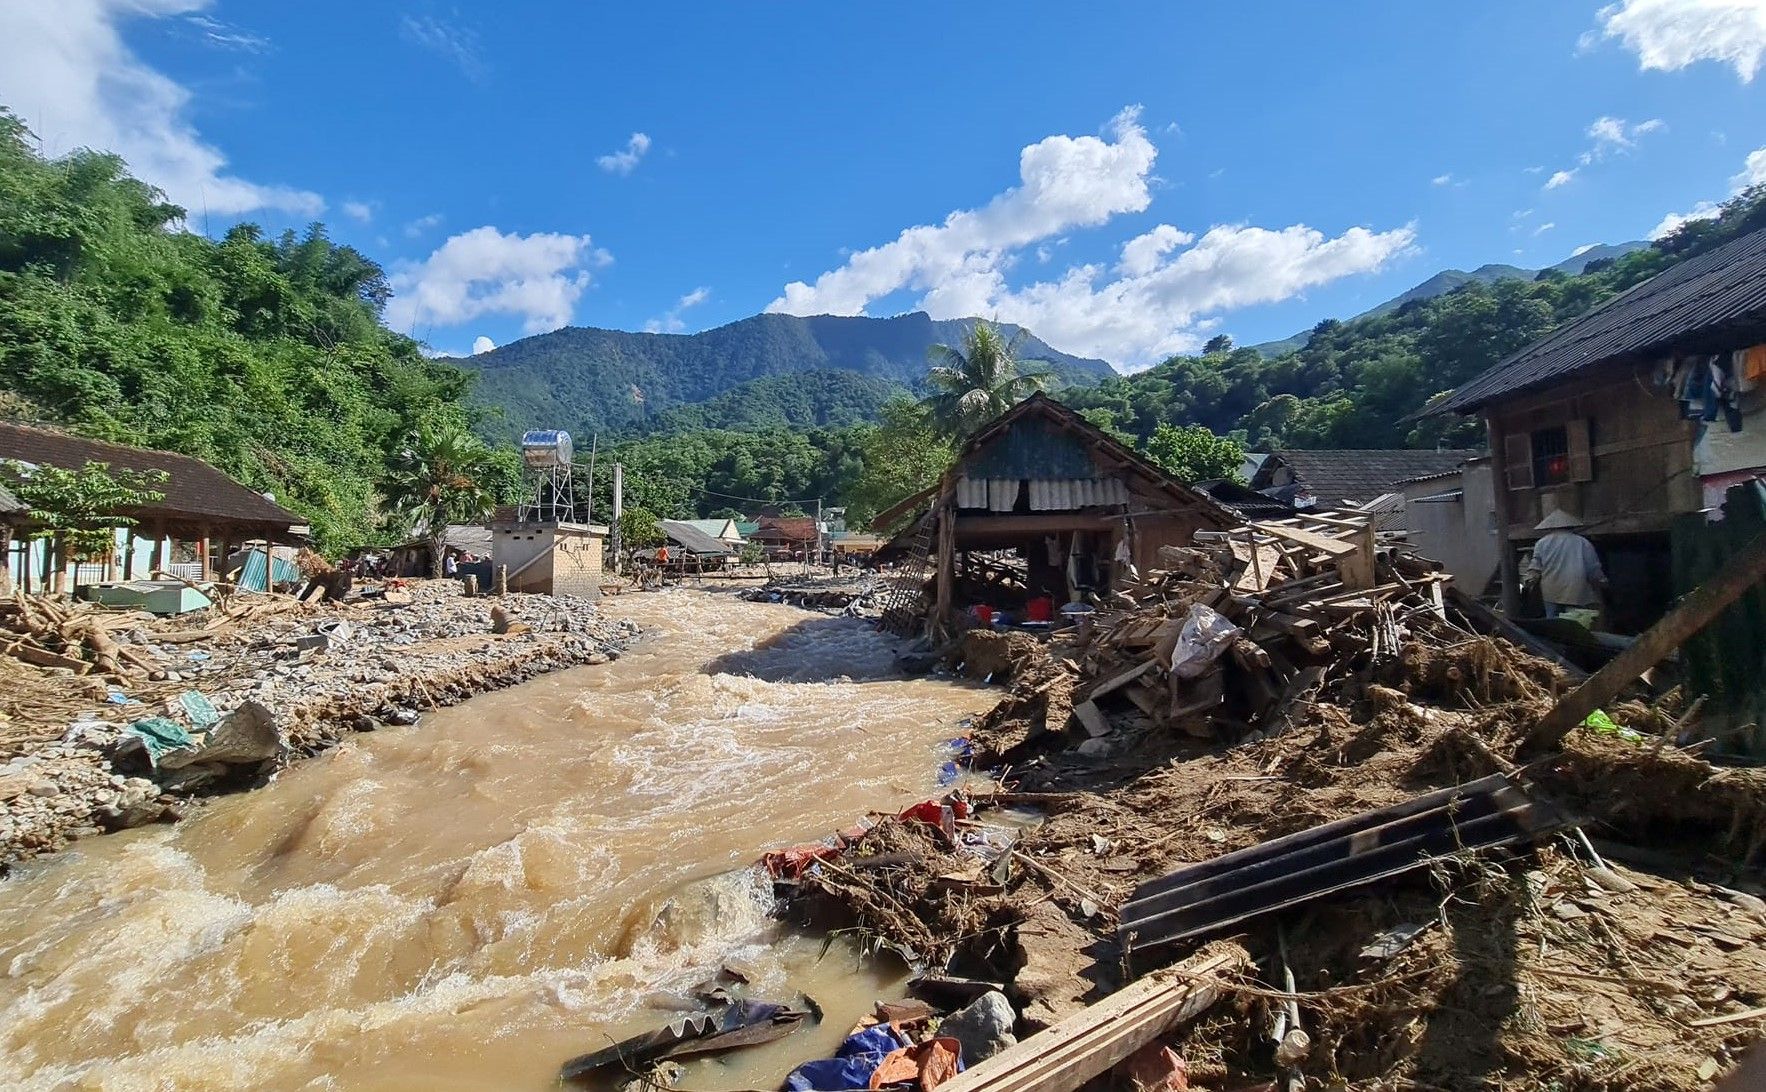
1040,509
1642,412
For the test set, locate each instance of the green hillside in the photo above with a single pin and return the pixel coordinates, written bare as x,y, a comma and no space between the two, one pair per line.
591,380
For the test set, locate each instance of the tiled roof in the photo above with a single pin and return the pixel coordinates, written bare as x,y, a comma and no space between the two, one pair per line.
786,529
1357,476
192,489
1709,303
9,504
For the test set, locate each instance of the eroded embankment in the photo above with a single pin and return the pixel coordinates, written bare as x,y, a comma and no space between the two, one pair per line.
75,770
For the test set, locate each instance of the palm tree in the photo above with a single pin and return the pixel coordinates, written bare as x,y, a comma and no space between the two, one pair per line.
439,479
978,382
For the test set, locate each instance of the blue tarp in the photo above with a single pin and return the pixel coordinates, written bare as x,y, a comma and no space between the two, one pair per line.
851,1066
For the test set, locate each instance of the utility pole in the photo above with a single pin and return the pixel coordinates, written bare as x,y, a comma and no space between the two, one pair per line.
618,509
818,530
589,514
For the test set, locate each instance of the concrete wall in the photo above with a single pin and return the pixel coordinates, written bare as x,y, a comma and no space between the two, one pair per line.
1460,534
558,560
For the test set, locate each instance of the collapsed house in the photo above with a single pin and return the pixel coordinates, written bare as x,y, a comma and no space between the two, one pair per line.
690,548
1039,506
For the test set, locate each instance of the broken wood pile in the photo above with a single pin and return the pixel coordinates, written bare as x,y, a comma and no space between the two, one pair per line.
1242,630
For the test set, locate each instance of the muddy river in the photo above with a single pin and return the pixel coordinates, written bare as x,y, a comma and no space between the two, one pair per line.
467,903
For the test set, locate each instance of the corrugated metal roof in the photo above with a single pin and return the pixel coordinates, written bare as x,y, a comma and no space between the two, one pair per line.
1725,287
9,504
691,539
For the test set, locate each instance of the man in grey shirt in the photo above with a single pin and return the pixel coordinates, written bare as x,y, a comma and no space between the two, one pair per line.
1565,566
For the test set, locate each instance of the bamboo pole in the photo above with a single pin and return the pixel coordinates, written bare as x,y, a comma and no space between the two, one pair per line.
1703,604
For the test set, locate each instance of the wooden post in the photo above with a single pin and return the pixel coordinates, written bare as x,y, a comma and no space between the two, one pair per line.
1703,604
1507,564
24,564
202,554
947,545
129,555
503,579
57,565
157,560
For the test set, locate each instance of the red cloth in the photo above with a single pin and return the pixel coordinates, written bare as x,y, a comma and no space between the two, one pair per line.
793,861
982,613
1040,609
931,1064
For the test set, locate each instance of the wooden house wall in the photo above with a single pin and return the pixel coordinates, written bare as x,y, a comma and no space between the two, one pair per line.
1640,470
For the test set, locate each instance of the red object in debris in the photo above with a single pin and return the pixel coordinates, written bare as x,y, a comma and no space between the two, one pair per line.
1157,1068
792,862
982,613
931,1064
1040,609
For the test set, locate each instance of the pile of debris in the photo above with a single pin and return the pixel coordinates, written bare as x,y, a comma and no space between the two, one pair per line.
212,700
846,595
1297,735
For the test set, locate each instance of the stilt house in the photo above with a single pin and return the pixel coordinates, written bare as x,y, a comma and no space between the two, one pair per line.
1041,504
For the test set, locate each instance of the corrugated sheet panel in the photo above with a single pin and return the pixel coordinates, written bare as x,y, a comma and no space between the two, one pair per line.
1725,287
1033,447
1002,494
971,492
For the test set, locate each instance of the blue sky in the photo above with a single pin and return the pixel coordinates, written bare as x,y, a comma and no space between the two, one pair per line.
1124,179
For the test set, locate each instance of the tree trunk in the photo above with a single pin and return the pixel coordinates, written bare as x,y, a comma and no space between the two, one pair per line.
437,543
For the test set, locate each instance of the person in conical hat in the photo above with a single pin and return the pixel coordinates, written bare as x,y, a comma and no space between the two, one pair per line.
1564,565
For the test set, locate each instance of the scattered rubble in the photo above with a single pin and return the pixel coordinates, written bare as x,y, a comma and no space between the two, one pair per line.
282,679
849,595
1289,682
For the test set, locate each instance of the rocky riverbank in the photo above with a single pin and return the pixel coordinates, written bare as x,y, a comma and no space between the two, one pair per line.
284,680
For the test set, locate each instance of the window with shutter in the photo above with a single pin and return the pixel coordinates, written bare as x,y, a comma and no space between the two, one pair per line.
1517,454
1581,449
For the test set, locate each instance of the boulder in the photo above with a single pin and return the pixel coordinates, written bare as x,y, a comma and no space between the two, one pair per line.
984,1028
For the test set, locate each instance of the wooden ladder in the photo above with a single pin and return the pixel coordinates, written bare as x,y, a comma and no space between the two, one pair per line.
904,605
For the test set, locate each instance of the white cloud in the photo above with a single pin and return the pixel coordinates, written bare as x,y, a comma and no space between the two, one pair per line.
481,272
1532,170
65,68
423,224
1607,136
1560,178
1442,180
1752,173
1543,228
1668,35
358,210
223,36
1583,249
1159,298
1065,182
457,45
482,344
671,322
626,160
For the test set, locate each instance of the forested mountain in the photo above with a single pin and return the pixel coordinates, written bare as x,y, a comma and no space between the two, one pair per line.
818,399
1449,280
264,357
1355,383
591,380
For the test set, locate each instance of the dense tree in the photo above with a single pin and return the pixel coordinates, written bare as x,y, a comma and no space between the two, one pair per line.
266,358
1192,454
977,381
79,510
902,455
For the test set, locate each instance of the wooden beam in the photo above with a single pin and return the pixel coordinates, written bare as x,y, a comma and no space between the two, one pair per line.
1099,1037
1507,563
947,542
1035,523
1703,604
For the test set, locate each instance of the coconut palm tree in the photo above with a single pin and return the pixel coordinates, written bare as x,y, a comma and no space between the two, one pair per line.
974,384
438,478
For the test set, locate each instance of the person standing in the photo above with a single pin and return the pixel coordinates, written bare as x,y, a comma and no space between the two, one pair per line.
1565,566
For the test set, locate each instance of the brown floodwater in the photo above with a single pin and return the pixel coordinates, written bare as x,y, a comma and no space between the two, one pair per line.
467,903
